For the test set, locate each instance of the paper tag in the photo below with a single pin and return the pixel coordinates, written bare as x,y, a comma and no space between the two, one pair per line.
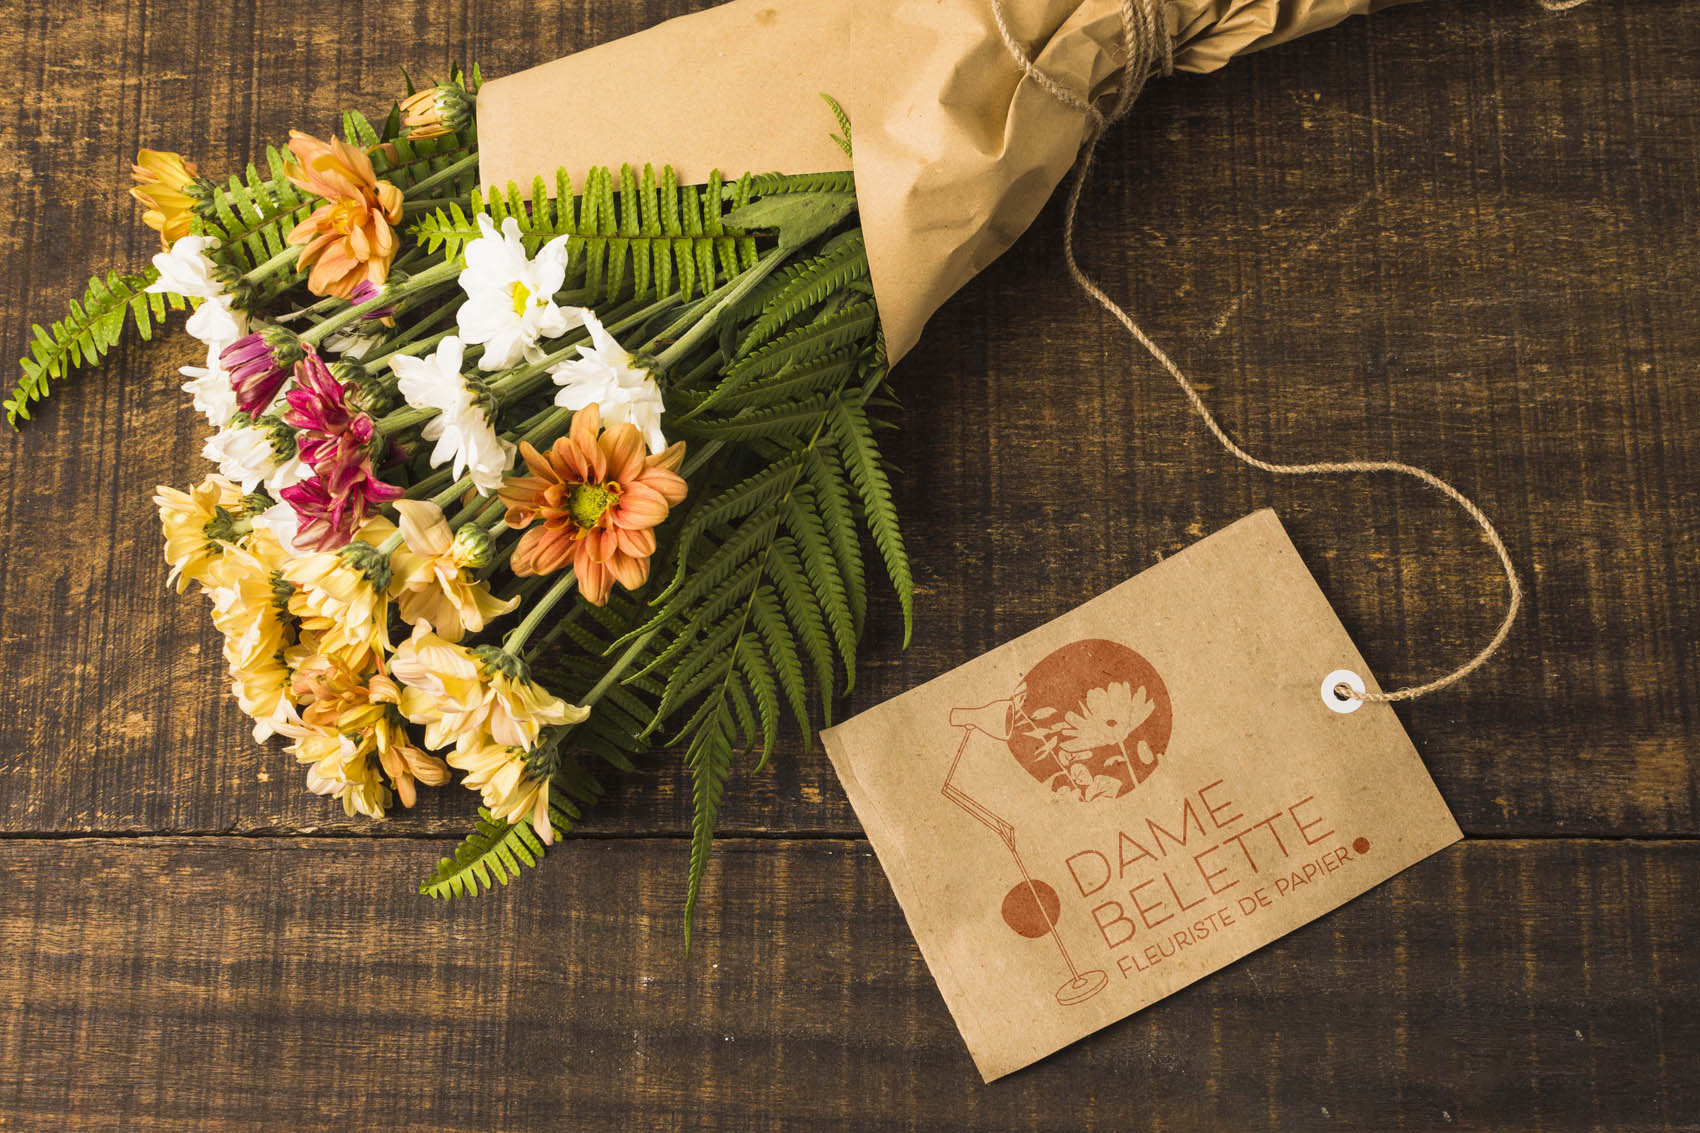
1135,795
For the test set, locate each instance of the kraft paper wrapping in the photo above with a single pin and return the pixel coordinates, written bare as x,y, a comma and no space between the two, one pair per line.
956,150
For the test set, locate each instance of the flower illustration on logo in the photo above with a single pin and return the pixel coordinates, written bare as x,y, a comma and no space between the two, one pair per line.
1109,716
1091,720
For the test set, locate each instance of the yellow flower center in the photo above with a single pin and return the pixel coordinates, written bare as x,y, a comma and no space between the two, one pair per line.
521,295
587,503
346,216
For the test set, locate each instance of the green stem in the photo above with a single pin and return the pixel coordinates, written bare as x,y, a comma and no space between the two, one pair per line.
518,636
452,493
618,668
387,296
429,484
705,325
289,253
419,187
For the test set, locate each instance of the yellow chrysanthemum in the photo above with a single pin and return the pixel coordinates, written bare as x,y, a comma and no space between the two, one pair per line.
336,598
468,698
341,767
519,709
246,611
184,516
359,707
498,773
429,580
162,183
244,600
443,688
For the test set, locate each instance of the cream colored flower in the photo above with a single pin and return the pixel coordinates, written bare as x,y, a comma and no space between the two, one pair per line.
499,774
342,767
341,596
246,610
519,708
359,707
184,516
430,578
444,688
469,697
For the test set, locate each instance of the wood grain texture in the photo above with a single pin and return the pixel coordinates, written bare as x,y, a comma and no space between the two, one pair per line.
1371,243
1469,992
1459,234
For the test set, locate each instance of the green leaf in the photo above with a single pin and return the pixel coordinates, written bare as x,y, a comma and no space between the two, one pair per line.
90,329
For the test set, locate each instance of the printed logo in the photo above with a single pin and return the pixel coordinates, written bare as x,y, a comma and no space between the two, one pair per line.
1089,723
1091,720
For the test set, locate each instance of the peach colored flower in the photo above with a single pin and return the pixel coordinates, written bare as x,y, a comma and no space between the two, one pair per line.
163,180
599,497
349,721
432,573
350,238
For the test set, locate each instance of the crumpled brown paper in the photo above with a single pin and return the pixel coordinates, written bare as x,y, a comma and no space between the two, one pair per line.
956,150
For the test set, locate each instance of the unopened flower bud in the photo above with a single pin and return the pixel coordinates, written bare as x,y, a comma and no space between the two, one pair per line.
369,561
259,364
473,546
436,111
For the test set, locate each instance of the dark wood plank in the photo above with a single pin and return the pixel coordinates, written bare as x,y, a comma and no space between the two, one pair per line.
292,983
1459,234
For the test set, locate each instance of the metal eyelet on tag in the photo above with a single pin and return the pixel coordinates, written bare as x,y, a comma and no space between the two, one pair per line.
1337,703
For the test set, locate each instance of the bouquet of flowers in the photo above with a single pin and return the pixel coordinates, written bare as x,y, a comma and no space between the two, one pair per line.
520,476
509,489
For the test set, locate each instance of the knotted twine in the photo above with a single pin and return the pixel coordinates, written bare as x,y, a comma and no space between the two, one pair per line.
1149,50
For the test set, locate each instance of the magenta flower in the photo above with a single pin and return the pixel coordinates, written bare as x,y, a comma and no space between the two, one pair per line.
364,292
328,520
336,440
258,368
332,436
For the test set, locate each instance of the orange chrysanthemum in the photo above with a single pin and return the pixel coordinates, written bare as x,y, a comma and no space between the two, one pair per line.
163,181
350,238
599,497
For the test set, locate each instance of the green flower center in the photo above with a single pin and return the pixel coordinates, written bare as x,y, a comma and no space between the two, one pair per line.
521,296
587,503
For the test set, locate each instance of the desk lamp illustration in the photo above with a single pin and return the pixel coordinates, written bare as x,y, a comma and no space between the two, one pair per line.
1087,724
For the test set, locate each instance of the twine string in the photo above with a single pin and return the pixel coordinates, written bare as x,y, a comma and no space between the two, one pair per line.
1148,49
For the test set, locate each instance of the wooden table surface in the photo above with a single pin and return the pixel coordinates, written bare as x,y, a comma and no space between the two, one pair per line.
1462,234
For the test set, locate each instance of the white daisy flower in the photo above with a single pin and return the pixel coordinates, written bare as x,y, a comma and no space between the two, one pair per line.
462,431
210,386
217,322
606,376
187,270
287,474
510,298
244,453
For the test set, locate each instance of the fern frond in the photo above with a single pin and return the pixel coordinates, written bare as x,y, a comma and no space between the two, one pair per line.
496,851
709,760
492,854
629,235
89,330
843,135
862,460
